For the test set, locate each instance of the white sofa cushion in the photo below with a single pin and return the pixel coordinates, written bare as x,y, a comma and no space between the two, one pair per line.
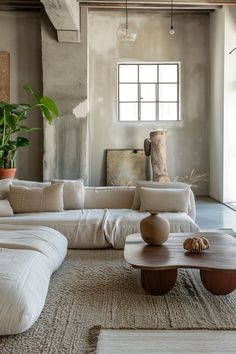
30,184
82,228
4,187
73,193
122,222
108,197
32,200
5,208
29,255
150,184
164,199
98,228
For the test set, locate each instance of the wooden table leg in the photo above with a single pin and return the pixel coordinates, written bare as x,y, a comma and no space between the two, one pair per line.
158,282
218,282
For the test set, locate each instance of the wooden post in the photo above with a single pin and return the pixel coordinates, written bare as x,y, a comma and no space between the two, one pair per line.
156,147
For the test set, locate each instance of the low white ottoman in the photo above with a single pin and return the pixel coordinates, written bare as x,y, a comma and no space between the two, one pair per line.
28,257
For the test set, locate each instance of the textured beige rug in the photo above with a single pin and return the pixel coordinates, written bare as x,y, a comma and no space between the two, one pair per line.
99,288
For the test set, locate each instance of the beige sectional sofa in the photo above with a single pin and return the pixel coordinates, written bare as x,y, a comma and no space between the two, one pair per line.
31,214
106,215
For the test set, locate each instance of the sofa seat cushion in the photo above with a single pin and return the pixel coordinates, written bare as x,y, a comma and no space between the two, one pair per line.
121,223
29,255
82,228
98,228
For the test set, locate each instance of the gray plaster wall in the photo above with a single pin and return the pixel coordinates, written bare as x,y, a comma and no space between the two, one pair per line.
188,140
229,194
223,109
20,35
65,79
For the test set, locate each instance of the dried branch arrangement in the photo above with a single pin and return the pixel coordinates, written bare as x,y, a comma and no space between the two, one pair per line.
192,179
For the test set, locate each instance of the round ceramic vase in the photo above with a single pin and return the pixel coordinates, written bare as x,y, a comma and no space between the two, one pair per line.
154,229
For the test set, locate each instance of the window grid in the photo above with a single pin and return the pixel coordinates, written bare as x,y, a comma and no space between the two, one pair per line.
157,89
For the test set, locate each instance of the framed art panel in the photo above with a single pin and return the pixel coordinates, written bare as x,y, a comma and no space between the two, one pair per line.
124,167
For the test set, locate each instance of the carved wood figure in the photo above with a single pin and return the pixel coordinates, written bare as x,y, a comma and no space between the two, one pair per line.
156,147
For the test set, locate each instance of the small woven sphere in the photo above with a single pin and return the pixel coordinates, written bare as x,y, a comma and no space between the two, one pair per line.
196,244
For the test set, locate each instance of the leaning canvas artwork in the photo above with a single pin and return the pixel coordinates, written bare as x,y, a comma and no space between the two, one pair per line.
124,167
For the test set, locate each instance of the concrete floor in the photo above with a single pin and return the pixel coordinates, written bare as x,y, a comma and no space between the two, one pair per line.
214,215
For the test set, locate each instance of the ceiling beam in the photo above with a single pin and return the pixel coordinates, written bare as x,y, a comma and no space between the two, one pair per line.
65,17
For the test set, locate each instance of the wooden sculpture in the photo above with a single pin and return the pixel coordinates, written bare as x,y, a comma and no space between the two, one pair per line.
156,147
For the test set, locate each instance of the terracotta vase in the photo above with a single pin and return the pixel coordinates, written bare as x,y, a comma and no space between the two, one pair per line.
154,229
7,173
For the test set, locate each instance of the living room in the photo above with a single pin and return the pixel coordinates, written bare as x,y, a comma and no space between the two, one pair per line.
71,52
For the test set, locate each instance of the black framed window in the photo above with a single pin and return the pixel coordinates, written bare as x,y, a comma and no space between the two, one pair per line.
148,91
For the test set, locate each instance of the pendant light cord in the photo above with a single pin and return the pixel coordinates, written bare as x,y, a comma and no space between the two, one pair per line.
126,13
171,14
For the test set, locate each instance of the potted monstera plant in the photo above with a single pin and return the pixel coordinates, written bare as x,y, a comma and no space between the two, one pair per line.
12,124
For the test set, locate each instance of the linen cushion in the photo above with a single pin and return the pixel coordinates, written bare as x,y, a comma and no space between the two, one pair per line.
168,200
5,208
73,193
151,184
33,200
109,197
4,187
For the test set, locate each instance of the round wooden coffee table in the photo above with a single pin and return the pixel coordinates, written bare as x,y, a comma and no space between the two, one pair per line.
159,264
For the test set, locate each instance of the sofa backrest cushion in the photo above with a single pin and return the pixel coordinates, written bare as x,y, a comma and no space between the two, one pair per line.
4,187
30,184
5,208
166,200
109,197
149,184
73,193
33,200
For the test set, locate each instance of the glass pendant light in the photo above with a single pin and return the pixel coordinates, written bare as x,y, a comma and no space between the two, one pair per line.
172,31
124,32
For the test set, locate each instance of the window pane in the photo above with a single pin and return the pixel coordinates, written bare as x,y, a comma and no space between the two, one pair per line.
148,92
128,111
168,92
128,73
147,73
128,92
168,111
148,111
168,73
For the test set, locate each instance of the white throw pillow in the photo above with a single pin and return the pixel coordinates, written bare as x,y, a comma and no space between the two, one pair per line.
5,208
156,185
167,200
33,200
73,193
4,187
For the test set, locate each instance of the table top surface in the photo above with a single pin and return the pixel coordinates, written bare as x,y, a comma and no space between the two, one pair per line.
221,254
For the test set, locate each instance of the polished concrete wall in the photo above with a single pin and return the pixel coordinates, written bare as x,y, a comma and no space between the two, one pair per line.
188,140
217,104
229,194
70,152
20,35
223,108
65,79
